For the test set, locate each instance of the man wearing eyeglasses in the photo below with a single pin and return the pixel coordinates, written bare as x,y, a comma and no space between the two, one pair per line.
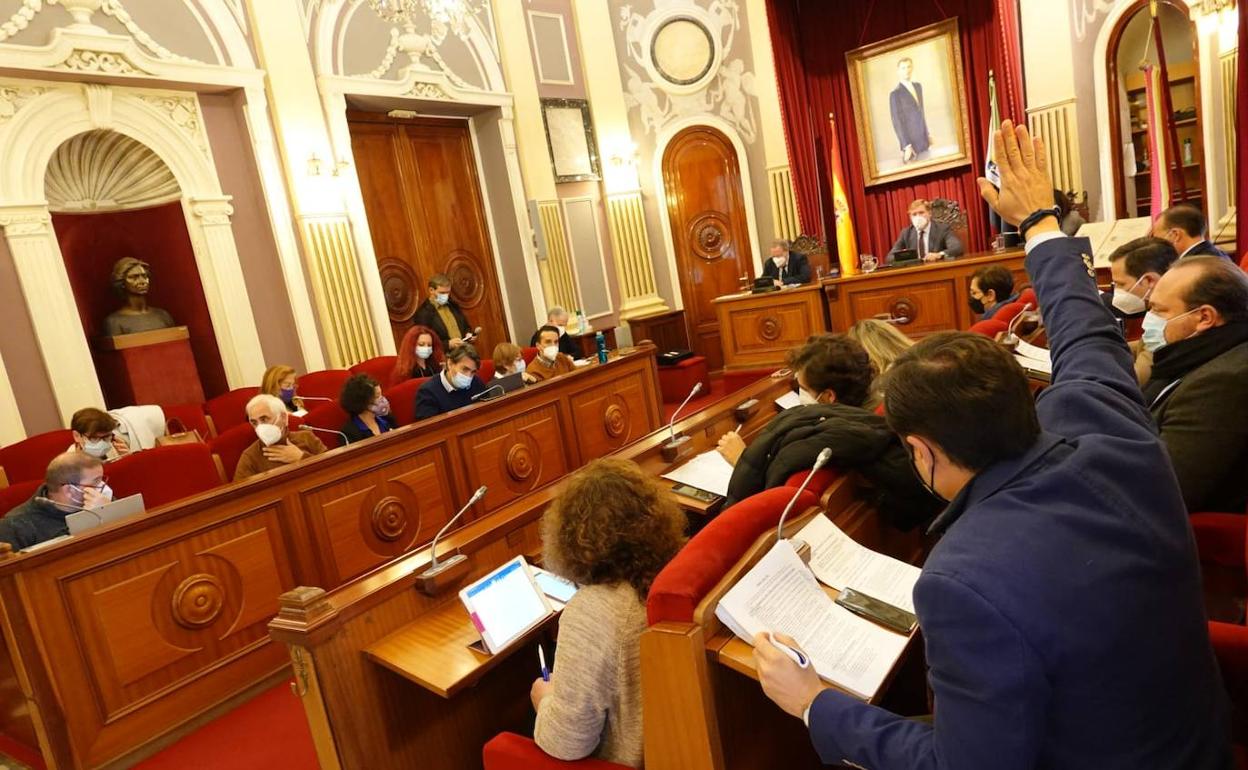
74,481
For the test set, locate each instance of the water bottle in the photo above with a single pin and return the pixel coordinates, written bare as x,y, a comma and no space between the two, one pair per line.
601,339
582,322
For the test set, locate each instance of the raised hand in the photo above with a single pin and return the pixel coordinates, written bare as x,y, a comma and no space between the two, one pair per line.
1025,183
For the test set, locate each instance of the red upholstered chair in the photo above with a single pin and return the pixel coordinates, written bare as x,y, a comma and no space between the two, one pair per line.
28,459
402,399
1222,540
379,368
327,417
229,446
734,381
508,751
819,484
990,328
190,415
164,474
322,384
1243,261
486,372
528,354
16,494
1028,296
229,409
1008,312
676,381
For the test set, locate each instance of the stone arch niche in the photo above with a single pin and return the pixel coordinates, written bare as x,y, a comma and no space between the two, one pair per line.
37,118
111,197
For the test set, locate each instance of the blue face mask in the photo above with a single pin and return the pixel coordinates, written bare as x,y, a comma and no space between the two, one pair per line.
520,365
461,381
1154,338
441,299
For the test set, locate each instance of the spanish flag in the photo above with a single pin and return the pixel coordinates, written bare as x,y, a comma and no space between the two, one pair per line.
846,241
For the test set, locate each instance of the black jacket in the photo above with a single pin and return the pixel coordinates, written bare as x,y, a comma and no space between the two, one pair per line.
1206,249
860,441
33,522
355,429
427,315
797,270
433,399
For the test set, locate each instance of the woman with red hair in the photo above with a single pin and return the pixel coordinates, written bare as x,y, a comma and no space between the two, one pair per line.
420,355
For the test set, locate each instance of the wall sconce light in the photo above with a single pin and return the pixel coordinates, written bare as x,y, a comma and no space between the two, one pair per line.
314,165
341,166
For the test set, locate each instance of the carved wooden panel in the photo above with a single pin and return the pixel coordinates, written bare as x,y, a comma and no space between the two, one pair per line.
706,208
149,621
515,456
365,520
610,416
759,330
926,307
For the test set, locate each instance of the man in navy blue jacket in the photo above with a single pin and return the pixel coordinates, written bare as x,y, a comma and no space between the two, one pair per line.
1062,608
455,387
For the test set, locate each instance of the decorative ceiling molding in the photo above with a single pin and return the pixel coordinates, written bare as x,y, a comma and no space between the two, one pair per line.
107,171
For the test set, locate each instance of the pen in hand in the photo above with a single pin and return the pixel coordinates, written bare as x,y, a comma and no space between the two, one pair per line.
541,659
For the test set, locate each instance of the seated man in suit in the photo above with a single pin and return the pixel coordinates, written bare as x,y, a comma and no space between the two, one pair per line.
1184,225
1136,267
275,445
930,240
74,481
1197,330
785,266
549,362
558,318
440,313
992,287
454,387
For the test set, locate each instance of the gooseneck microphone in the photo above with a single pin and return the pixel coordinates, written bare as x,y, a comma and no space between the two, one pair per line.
1010,337
339,433
436,566
316,398
820,461
671,426
481,395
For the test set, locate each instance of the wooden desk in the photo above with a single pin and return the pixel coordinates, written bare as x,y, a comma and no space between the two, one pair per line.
759,330
122,635
587,343
925,298
666,330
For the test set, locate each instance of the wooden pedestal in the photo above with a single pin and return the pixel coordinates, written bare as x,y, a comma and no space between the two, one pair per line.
155,367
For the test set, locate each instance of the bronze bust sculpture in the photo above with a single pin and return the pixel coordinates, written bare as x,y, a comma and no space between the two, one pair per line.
131,279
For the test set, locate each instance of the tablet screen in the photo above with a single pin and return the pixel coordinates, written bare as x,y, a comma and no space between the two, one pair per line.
505,604
554,586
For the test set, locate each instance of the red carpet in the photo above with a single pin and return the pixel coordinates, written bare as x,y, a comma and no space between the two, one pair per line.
268,731
716,393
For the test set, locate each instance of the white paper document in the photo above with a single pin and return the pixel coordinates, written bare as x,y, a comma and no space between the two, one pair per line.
1034,357
708,471
1107,236
789,400
840,562
781,594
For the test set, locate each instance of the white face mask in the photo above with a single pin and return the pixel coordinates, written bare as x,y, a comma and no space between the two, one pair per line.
919,221
461,381
268,433
1128,303
80,499
804,397
441,299
520,365
97,447
424,351
550,352
780,261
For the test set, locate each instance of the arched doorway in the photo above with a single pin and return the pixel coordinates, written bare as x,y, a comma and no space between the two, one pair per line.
1129,41
707,216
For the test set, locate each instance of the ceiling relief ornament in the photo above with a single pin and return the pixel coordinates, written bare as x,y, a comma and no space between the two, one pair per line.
98,61
680,64
13,98
183,111
107,171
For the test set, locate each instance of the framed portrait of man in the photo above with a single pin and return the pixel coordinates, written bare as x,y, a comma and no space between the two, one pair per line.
910,104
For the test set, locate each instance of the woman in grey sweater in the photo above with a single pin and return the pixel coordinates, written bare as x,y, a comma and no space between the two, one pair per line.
612,528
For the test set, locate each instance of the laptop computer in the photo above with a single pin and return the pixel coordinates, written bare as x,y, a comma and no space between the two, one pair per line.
501,386
902,256
82,521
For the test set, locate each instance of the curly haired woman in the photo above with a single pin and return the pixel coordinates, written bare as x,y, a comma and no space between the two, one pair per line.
612,528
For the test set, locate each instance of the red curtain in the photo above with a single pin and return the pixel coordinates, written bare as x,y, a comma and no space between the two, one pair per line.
1241,195
91,243
810,39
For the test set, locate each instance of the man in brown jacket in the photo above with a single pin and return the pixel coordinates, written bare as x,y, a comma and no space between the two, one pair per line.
549,361
275,446
1197,327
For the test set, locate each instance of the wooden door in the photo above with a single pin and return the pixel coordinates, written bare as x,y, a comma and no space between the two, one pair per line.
424,206
706,208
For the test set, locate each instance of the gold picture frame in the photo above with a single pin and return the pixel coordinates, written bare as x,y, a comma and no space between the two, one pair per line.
922,108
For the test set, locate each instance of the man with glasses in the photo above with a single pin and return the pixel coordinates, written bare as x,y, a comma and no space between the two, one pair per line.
74,481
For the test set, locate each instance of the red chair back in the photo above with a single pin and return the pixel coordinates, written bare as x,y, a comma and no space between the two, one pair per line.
509,751
230,445
164,474
323,384
990,328
1028,296
327,417
190,415
229,409
708,556
402,398
1008,312
529,354
379,368
28,459
819,483
16,494
486,372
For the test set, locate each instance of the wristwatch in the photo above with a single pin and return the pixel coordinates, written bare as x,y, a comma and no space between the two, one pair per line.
1036,216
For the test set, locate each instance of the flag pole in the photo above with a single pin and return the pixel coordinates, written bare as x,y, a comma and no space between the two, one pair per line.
1170,129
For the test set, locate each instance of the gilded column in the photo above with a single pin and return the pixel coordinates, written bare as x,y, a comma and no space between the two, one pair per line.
626,221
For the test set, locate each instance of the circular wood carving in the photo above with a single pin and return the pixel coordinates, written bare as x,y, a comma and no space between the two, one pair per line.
520,462
615,420
682,51
401,289
769,328
464,271
709,235
389,519
197,600
903,311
